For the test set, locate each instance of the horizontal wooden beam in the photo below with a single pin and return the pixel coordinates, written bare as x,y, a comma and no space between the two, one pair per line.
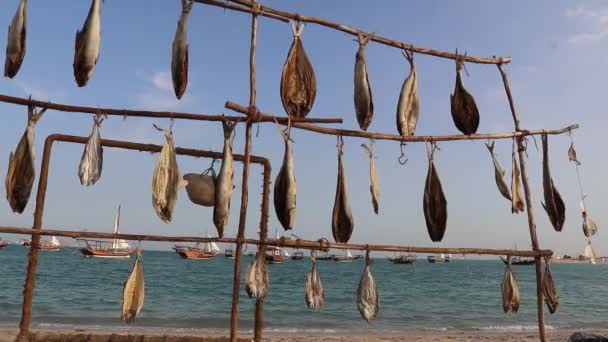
241,9
416,138
154,114
283,15
301,244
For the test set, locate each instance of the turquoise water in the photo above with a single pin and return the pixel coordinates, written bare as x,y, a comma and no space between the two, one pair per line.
196,294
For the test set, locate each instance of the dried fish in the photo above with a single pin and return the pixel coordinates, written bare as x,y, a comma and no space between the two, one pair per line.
364,104
224,183
367,293
86,51
15,41
548,286
285,187
554,205
464,109
166,180
434,203
499,174
201,188
133,293
589,226
510,291
517,203
256,279
313,291
22,165
374,188
179,56
572,154
342,218
91,162
408,107
298,82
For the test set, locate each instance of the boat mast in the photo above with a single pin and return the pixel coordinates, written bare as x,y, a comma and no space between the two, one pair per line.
116,224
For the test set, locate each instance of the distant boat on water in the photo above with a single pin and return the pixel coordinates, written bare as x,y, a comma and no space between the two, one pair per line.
404,259
115,248
205,250
3,243
229,253
519,261
297,255
433,259
51,246
346,257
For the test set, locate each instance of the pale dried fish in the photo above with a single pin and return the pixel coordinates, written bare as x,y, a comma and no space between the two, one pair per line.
298,82
166,180
342,218
179,52
435,205
464,109
313,290
554,204
374,187
499,174
364,104
549,291
224,183
517,203
408,107
15,41
572,154
256,277
367,293
133,292
22,165
86,51
510,291
285,187
589,226
91,162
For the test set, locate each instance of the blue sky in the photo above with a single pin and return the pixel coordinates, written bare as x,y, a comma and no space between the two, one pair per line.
557,76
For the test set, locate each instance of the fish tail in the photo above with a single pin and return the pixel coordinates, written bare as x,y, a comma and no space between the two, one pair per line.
228,128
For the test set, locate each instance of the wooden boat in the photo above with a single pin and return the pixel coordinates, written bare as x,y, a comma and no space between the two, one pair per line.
347,257
404,259
325,256
297,256
115,248
275,256
25,242
438,259
205,251
3,244
359,257
51,246
229,253
519,261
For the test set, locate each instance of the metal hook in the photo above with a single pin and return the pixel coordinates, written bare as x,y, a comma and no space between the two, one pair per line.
402,158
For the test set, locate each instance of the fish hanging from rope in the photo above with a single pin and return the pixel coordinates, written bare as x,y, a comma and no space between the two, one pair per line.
201,187
554,204
499,173
16,41
133,292
342,223
256,277
86,51
510,291
464,109
374,187
367,293
22,164
285,187
517,203
408,107
298,82
179,55
91,162
313,289
224,183
589,226
548,287
364,104
434,204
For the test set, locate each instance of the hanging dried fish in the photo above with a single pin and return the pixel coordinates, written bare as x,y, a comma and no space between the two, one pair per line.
285,186
572,154
22,165
499,174
510,291
86,51
313,291
408,107
133,293
548,286
224,183
364,104
367,293
15,41
464,109
179,56
589,226
201,187
256,278
554,205
517,203
298,82
91,162
166,180
374,188
434,203
342,219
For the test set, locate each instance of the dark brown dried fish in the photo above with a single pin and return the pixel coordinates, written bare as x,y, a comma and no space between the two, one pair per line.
499,174
367,293
549,291
554,205
87,42
364,104
342,218
285,187
510,291
179,55
464,109
434,203
517,203
572,154
201,188
15,41
408,107
298,82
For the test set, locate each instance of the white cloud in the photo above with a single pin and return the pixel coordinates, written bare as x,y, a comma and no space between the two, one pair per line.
599,18
159,94
37,92
162,80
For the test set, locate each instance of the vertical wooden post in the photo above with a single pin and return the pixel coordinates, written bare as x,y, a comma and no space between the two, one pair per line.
32,263
531,223
245,182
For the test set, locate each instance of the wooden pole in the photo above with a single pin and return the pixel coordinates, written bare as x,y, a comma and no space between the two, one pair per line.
416,138
521,148
240,9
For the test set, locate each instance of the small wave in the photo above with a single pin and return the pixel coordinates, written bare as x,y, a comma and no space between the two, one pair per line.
512,328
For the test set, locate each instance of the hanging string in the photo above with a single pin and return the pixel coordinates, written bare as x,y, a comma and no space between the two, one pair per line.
402,158
576,165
